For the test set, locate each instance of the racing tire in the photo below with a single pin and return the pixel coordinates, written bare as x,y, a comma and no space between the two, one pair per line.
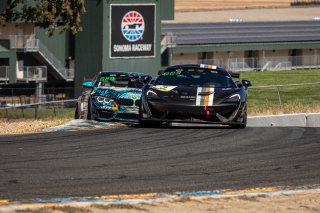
147,124
89,113
243,124
76,114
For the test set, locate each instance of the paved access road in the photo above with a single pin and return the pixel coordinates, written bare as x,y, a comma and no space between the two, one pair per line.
137,160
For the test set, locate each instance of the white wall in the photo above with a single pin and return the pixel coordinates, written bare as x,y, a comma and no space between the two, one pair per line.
180,58
17,33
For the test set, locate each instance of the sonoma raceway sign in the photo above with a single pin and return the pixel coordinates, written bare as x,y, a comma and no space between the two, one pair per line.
132,31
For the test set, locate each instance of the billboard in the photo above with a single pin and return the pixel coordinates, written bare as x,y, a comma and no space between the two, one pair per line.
132,30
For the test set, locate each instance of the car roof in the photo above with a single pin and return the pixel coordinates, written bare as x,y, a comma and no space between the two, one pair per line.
197,66
125,72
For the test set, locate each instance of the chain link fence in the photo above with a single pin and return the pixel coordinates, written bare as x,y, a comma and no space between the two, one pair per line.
259,64
21,96
41,110
23,103
272,99
289,98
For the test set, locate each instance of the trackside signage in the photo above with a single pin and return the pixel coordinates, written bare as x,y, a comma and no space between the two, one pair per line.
132,31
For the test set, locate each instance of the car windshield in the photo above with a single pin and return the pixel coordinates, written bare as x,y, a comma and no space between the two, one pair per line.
199,77
120,80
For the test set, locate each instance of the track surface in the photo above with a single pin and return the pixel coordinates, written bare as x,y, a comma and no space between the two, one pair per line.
137,160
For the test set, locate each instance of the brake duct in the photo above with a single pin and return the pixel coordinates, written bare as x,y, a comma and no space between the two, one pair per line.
231,117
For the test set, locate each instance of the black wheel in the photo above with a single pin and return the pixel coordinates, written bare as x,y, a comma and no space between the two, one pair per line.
76,114
89,113
147,124
243,124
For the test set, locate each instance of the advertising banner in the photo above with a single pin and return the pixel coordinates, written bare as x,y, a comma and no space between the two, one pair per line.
132,31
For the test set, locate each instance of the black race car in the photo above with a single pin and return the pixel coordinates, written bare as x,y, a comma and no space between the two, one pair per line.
194,93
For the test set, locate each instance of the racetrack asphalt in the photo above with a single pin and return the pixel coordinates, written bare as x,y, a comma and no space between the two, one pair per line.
141,160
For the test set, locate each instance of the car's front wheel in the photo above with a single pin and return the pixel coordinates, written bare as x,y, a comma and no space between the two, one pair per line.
147,124
89,112
76,114
243,123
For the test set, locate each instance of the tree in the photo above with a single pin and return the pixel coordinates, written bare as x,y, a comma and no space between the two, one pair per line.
50,14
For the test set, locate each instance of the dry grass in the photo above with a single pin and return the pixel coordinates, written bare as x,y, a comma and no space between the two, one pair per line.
66,209
71,209
204,5
276,109
117,206
301,202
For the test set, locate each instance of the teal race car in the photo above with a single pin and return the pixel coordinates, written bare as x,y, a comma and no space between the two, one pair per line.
112,96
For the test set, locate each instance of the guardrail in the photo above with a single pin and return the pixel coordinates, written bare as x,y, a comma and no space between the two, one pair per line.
54,106
251,64
316,94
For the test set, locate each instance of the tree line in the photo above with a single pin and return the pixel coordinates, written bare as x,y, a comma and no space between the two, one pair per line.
50,14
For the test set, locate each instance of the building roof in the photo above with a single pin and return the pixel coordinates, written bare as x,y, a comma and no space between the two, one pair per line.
243,32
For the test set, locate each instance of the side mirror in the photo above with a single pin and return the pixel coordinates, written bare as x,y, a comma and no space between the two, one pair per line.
152,81
246,83
145,78
88,84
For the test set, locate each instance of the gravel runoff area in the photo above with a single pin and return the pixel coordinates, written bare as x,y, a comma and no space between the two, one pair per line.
288,203
20,126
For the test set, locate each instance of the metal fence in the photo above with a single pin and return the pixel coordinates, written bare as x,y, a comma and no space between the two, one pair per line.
33,73
304,97
29,103
21,96
42,110
304,93
260,64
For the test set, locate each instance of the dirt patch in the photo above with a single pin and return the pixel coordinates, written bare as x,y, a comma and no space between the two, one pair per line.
19,126
306,202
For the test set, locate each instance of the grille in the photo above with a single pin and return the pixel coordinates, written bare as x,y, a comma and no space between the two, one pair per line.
124,102
128,116
105,114
138,102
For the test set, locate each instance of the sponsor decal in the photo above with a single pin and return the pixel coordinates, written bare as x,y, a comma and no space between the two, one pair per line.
163,88
205,96
187,97
132,30
208,66
108,78
106,107
132,109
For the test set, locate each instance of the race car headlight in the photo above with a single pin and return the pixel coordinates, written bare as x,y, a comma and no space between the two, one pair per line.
233,98
103,99
151,94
